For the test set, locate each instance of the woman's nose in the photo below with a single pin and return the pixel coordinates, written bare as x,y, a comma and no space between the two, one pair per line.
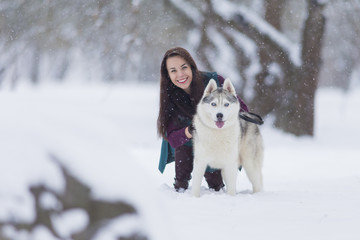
180,73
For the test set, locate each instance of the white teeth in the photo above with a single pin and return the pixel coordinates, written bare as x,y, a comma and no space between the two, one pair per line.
182,80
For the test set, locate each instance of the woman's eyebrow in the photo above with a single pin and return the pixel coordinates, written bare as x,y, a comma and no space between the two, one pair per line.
180,66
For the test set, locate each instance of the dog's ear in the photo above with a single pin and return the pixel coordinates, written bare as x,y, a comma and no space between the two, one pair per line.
210,87
229,87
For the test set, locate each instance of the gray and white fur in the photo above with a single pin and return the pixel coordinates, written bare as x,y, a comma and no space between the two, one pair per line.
224,141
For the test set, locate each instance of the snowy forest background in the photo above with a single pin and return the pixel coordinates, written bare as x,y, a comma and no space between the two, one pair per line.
124,40
67,68
277,52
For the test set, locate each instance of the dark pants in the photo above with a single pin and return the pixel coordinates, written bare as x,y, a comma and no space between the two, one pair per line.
184,165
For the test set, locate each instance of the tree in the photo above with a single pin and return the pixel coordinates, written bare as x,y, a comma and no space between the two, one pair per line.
292,97
341,56
288,74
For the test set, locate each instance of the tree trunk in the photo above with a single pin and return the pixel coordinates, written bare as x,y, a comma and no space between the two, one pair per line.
273,12
34,71
296,115
268,86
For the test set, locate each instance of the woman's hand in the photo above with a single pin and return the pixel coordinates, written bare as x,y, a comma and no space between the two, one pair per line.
187,133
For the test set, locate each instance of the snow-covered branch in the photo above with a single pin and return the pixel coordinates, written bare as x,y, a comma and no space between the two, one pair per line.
188,10
230,11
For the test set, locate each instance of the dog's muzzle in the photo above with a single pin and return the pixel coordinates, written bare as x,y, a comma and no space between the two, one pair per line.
219,123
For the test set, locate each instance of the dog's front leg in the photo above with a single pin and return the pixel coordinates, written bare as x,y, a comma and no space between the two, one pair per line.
230,173
198,173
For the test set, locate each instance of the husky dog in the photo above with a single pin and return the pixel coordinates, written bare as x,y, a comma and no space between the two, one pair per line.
223,140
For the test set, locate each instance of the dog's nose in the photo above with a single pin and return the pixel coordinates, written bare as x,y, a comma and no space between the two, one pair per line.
219,116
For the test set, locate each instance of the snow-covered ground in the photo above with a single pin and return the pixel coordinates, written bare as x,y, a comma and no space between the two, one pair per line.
106,135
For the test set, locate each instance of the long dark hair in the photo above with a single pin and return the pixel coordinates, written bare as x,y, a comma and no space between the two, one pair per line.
167,88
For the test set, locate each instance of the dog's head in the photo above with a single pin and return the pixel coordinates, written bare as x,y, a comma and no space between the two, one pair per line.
219,106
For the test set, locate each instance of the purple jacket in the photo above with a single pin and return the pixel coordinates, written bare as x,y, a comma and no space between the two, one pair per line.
177,137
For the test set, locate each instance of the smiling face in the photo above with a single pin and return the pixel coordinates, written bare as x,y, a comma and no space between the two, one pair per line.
179,72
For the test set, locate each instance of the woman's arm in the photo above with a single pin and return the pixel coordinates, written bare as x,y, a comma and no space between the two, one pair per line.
178,137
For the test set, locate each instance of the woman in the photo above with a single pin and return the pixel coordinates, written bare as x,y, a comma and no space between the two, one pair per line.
181,88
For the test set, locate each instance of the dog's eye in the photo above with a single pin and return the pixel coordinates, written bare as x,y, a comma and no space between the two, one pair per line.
226,104
213,104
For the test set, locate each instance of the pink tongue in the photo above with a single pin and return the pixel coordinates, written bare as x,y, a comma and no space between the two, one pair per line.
219,124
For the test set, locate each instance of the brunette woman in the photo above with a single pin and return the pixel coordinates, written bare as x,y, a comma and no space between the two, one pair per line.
181,88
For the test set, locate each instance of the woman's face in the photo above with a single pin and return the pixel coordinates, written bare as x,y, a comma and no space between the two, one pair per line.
179,72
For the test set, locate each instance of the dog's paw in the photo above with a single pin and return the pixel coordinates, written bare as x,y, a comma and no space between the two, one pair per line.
257,189
231,193
195,193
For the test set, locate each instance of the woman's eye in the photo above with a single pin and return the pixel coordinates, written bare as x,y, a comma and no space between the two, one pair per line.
226,104
213,104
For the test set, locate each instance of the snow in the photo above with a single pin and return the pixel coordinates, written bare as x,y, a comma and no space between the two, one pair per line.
106,136
69,222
